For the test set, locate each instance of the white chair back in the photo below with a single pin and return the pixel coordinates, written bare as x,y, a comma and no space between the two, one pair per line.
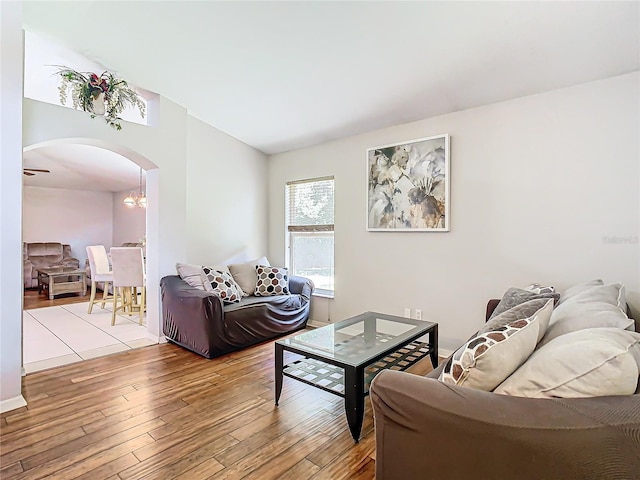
98,262
128,266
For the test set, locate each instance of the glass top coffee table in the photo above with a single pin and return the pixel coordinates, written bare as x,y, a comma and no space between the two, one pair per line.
344,357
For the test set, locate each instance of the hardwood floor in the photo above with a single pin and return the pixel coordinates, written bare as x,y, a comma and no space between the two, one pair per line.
33,299
162,412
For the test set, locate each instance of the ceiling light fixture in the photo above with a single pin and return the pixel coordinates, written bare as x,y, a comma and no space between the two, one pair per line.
136,199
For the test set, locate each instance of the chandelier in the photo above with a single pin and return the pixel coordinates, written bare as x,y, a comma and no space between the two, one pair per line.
136,199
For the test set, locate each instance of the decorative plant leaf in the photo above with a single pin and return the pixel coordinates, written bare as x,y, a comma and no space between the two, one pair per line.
86,87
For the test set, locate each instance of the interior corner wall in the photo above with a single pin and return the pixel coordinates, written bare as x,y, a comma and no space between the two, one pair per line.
544,188
11,49
129,224
81,218
226,197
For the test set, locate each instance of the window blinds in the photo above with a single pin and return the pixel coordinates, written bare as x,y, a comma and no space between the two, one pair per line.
310,205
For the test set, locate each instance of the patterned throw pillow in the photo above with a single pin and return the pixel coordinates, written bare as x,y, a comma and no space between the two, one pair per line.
221,284
524,310
516,296
271,281
486,360
538,288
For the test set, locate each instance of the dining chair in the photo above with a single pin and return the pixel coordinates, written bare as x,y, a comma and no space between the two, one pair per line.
100,272
127,264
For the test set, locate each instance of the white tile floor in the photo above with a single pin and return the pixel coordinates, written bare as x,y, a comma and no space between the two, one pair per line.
55,336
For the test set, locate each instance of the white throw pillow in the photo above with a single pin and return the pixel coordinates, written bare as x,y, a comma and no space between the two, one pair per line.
586,315
488,359
579,288
245,274
192,274
587,363
599,306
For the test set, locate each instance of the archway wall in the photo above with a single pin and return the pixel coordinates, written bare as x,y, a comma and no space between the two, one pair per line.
159,149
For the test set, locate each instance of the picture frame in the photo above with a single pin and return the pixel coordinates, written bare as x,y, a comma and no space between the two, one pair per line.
408,186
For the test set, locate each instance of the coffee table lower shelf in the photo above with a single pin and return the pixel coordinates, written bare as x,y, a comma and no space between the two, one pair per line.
330,378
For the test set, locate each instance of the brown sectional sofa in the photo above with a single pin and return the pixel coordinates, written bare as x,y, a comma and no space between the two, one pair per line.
49,254
429,429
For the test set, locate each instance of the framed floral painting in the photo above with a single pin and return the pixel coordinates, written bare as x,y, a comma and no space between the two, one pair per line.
408,186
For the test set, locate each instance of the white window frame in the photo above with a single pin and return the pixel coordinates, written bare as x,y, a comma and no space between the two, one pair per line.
307,230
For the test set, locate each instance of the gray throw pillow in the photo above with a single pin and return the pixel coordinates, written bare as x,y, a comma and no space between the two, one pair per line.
516,296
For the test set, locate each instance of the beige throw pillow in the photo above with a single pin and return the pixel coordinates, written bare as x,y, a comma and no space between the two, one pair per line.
579,288
245,274
587,363
192,274
598,306
488,359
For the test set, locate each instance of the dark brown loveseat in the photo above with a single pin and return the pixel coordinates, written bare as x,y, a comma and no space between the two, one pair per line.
429,429
201,322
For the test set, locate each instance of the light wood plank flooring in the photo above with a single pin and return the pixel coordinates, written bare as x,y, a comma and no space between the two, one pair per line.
161,412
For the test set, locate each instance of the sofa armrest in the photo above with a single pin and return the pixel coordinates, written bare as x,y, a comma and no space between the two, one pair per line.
423,425
301,285
191,317
27,272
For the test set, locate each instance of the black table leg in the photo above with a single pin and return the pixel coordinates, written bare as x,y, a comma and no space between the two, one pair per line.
354,399
433,342
279,358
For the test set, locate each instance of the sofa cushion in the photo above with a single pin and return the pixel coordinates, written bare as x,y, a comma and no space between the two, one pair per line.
587,363
46,260
516,296
271,281
524,310
221,283
579,288
489,358
245,274
192,274
598,306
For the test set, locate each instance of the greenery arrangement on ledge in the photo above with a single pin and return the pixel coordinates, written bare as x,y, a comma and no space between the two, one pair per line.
105,95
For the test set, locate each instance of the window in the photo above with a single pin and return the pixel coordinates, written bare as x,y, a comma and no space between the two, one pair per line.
310,231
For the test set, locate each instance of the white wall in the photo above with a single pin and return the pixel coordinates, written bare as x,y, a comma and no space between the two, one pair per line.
226,197
76,217
129,224
11,47
543,189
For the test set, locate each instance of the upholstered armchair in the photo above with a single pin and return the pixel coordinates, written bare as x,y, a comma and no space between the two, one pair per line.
45,255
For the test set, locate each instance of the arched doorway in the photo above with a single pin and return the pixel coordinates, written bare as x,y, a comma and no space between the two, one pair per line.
152,176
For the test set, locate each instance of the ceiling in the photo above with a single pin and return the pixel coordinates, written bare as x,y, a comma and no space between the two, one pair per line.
81,167
284,75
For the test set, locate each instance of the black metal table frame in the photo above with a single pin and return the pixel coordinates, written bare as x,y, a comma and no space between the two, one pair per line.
354,393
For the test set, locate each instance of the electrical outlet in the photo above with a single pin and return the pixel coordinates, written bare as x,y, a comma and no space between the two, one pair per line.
418,314
407,313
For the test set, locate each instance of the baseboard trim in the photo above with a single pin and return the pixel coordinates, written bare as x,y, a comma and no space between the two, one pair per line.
444,353
317,324
12,403
156,338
